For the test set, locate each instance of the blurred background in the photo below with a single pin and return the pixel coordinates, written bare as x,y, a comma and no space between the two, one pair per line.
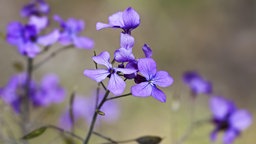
215,38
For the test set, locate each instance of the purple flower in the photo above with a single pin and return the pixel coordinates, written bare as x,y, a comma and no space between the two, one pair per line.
83,108
49,91
147,51
127,20
147,68
24,37
124,54
227,118
116,84
69,33
35,8
15,90
196,83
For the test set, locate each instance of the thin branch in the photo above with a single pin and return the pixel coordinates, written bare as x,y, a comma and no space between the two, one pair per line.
189,131
71,110
104,137
102,84
95,117
52,55
116,97
65,132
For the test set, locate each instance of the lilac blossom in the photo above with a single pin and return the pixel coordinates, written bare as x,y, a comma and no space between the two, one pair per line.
49,91
196,83
152,78
127,20
69,32
124,54
24,37
15,90
83,108
35,8
116,84
227,118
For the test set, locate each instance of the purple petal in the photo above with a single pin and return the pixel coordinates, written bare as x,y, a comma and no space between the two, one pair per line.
229,136
49,39
39,22
83,42
147,51
213,135
65,39
197,83
127,41
98,75
49,91
131,18
158,94
116,84
163,79
240,120
30,49
116,19
220,107
126,70
100,26
14,33
65,121
124,55
147,67
74,26
103,59
43,6
143,89
58,19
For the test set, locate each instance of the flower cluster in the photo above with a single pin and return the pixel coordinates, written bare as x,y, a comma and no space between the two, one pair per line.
49,91
142,70
225,115
30,37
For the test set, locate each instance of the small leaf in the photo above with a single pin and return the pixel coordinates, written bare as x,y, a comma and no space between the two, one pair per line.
149,140
35,133
100,112
18,66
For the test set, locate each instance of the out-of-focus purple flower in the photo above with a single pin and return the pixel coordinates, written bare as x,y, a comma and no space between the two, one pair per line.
49,91
196,83
116,84
127,20
124,54
69,32
147,68
15,90
227,118
147,51
35,8
24,37
83,108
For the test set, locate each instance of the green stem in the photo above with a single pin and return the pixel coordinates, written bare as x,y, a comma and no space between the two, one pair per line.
25,112
116,97
95,117
104,137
